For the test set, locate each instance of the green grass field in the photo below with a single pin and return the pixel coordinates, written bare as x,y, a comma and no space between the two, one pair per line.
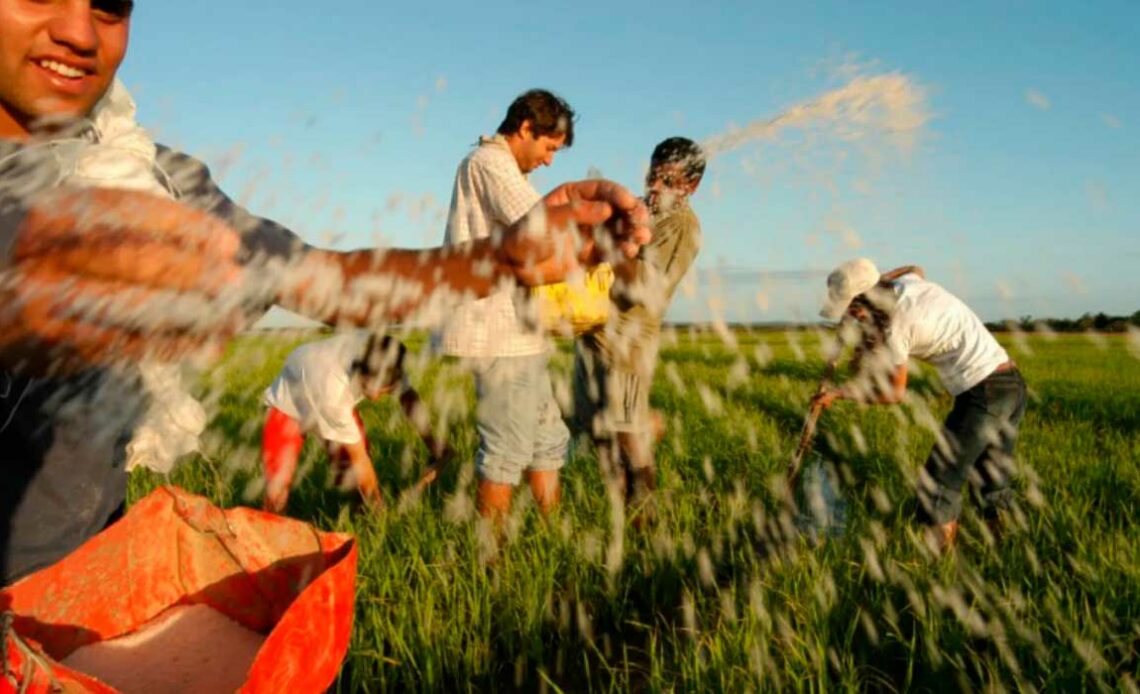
700,601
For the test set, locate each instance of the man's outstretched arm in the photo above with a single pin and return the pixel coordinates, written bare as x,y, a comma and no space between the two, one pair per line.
576,224
98,276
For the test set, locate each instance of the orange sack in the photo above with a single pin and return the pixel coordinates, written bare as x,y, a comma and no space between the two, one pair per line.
290,583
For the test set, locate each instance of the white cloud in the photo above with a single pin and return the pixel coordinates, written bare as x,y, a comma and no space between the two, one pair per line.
1097,194
1110,120
1074,282
1036,99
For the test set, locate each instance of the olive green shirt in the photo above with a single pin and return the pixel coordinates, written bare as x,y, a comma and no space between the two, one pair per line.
629,341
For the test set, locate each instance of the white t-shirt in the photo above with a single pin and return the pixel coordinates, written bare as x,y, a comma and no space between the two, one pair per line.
490,194
315,389
931,324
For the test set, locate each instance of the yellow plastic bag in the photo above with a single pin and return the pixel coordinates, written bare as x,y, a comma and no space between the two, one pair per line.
576,307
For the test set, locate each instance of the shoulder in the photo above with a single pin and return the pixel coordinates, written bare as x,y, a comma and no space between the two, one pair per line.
186,176
483,163
492,159
911,279
924,296
26,171
687,217
910,289
677,225
319,355
689,222
912,308
190,182
681,218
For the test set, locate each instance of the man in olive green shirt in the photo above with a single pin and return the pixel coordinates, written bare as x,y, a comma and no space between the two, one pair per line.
614,365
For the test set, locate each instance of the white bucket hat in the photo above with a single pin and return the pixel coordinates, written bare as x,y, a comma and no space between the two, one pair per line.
846,282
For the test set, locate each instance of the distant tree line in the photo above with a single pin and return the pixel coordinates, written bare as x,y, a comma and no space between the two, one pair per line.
1100,322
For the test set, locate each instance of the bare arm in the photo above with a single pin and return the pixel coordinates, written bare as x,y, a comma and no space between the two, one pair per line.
364,287
892,275
894,394
102,276
560,234
361,463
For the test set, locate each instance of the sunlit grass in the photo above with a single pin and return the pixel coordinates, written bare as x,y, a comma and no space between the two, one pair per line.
703,600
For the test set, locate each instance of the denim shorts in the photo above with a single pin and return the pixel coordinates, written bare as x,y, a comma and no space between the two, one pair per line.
519,422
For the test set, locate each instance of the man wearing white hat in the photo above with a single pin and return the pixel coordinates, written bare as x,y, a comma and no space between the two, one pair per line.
917,318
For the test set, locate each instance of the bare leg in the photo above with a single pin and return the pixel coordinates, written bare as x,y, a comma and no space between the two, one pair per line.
494,499
658,425
545,488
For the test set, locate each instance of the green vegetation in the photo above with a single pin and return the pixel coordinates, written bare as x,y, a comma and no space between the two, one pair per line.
701,601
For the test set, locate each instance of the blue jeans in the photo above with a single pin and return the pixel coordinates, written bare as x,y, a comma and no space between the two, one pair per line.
519,422
975,446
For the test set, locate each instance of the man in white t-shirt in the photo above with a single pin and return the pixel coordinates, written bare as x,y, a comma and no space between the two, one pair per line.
317,392
914,318
519,422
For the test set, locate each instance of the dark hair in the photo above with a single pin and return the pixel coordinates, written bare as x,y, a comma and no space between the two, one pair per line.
873,336
382,357
118,8
680,150
548,114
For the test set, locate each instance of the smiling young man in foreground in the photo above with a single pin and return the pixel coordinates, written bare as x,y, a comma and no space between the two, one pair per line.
115,251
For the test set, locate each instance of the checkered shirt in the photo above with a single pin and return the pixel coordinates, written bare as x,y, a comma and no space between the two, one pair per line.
490,194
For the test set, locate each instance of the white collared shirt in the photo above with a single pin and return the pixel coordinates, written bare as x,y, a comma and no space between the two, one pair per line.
490,194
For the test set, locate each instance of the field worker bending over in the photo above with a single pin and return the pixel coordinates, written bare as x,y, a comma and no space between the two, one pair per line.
614,365
317,392
919,319
116,251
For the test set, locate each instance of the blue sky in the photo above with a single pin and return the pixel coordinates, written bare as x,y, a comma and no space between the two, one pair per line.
346,121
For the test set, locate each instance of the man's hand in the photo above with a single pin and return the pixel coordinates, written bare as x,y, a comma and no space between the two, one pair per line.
582,223
99,275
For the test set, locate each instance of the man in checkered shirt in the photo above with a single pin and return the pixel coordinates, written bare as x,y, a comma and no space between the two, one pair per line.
519,422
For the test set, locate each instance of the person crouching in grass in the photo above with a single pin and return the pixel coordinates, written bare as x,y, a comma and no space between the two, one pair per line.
317,392
912,317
